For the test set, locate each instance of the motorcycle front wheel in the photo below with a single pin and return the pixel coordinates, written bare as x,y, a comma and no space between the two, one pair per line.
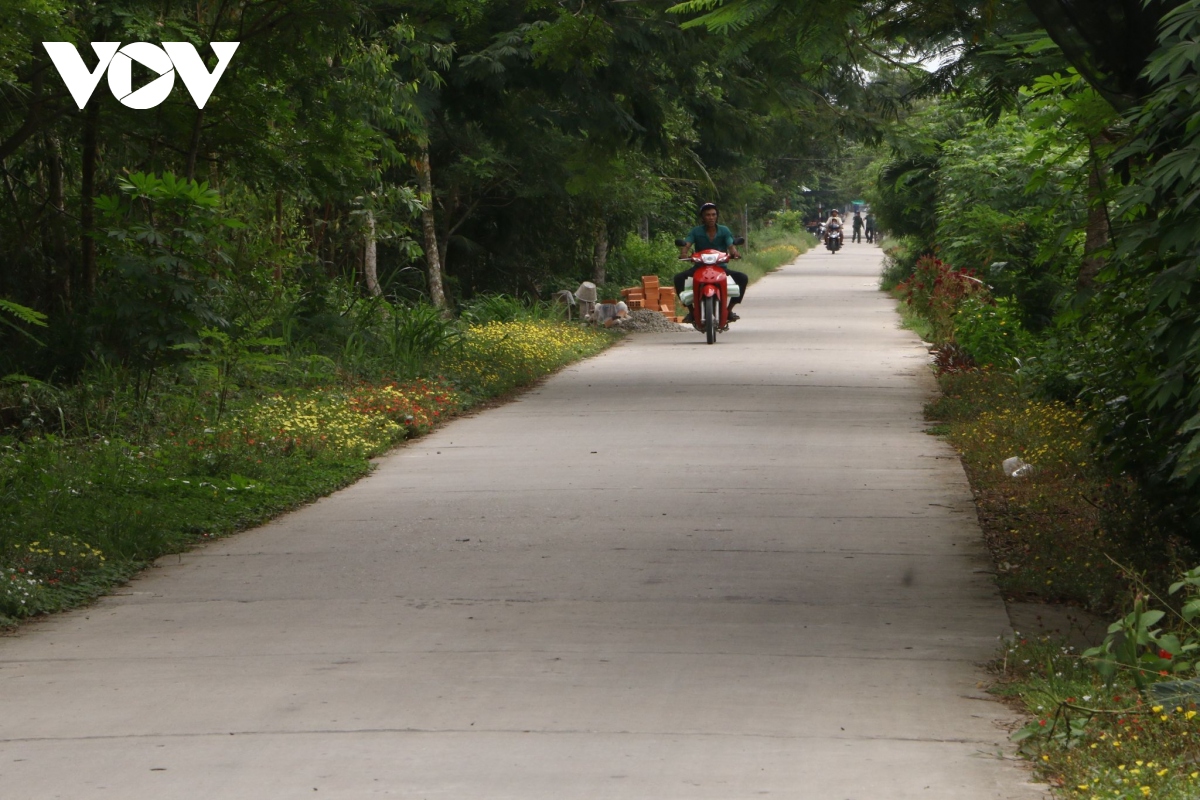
711,319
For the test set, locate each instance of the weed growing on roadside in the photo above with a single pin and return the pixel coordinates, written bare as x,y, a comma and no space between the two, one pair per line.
416,405
991,332
20,593
311,424
757,263
1094,740
499,356
1052,533
935,291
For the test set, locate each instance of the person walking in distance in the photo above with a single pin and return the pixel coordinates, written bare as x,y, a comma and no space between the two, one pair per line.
857,225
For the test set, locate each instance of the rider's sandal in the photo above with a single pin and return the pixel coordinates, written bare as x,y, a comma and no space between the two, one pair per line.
688,319
733,317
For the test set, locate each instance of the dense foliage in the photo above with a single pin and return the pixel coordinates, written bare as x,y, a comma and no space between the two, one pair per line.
1072,199
432,149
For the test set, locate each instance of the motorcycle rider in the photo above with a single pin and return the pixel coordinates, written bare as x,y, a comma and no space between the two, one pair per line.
834,222
709,235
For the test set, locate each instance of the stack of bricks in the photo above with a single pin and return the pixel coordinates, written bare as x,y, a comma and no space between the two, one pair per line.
651,296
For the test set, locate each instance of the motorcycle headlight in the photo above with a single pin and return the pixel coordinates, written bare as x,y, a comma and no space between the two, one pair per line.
709,258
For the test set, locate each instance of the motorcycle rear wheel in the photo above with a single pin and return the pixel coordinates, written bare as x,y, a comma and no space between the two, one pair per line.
711,319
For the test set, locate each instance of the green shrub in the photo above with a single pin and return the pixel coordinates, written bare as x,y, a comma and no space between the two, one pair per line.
636,257
491,307
416,336
990,333
789,221
935,291
164,254
899,262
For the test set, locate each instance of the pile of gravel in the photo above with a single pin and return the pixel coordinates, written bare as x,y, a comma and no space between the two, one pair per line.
644,321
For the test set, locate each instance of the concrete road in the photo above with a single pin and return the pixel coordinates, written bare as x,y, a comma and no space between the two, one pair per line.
675,571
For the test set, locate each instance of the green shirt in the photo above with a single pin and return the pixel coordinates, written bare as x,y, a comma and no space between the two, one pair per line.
722,241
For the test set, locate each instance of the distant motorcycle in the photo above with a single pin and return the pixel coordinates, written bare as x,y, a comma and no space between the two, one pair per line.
833,237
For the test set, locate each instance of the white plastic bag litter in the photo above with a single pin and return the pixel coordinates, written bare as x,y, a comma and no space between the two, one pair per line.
1015,467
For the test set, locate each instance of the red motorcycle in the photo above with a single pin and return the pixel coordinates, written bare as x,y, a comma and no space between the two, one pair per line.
708,291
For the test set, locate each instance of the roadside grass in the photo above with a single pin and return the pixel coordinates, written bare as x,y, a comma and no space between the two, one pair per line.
1071,533
497,357
771,249
899,259
1093,740
911,320
82,513
1057,534
897,267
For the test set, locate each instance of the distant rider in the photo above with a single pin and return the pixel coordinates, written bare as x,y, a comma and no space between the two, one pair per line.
833,223
710,236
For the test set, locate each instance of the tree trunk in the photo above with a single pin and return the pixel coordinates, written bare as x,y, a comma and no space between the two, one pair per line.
55,232
278,234
34,121
437,293
16,204
87,192
322,237
194,147
644,228
370,257
448,228
331,250
600,252
1096,237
